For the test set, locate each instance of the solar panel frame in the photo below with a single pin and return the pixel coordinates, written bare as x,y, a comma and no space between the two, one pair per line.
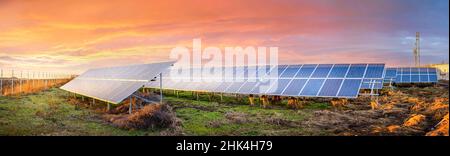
303,74
390,75
413,75
114,84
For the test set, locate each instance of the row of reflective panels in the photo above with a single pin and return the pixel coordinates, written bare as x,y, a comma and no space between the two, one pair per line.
114,84
411,75
308,80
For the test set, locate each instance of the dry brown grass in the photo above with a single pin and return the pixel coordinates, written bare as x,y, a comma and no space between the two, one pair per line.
406,111
438,109
415,121
339,103
393,128
237,117
295,103
151,116
20,87
441,128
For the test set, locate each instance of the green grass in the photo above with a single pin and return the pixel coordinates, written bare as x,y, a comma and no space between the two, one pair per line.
48,113
204,117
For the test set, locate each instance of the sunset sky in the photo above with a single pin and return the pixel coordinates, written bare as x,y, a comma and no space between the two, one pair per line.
75,35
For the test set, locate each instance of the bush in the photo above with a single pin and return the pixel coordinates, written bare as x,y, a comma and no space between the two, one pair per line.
151,116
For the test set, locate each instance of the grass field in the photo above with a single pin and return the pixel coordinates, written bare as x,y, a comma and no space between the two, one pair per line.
49,113
228,118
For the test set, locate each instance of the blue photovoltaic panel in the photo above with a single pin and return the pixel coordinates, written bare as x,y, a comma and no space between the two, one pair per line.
306,71
415,71
372,84
432,78
412,75
274,72
339,71
415,78
330,87
291,71
423,71
278,87
374,77
220,88
234,88
114,84
405,71
312,87
322,71
350,88
294,88
312,80
374,71
424,78
262,87
390,75
248,87
406,78
356,71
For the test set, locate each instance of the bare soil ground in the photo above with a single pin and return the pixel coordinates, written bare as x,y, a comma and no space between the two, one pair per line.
404,111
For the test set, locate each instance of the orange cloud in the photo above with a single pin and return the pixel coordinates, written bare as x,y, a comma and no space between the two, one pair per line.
83,34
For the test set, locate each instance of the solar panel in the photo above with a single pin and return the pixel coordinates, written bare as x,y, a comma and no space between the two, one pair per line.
390,74
411,75
293,88
330,87
339,71
114,84
310,80
350,88
373,78
372,84
312,87
322,70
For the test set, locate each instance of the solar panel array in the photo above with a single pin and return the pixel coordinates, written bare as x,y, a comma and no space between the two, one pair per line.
412,75
114,84
390,74
307,80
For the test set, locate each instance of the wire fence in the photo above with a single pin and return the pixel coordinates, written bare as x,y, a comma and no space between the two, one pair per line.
14,82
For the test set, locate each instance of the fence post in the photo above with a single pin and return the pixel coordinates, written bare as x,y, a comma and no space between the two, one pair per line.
1,83
46,80
12,82
130,109
160,88
32,83
28,80
20,82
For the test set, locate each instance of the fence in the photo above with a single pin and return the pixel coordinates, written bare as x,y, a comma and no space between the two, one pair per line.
23,82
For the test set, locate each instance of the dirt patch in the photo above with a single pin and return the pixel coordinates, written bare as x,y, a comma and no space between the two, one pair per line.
405,111
121,109
345,122
281,122
237,117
